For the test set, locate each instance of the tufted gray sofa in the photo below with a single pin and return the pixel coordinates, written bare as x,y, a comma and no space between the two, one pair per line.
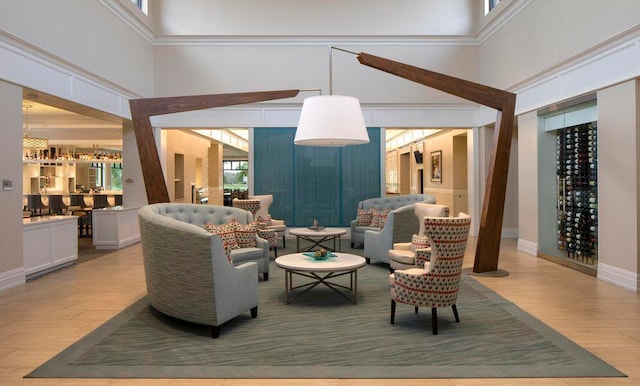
401,224
187,273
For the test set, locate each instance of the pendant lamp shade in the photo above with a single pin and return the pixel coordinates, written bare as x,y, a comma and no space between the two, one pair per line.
331,120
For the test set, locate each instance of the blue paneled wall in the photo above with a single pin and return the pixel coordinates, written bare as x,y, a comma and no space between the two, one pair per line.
309,182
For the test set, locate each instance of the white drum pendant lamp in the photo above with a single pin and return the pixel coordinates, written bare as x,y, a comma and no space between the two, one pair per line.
331,120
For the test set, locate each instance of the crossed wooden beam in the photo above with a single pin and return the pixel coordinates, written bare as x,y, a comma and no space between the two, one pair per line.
488,244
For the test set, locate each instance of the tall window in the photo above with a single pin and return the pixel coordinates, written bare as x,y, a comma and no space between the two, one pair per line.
235,174
142,4
489,5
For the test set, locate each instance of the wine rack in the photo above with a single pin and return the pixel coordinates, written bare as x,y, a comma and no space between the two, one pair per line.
577,194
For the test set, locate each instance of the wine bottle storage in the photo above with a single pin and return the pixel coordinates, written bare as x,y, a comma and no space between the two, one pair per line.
577,193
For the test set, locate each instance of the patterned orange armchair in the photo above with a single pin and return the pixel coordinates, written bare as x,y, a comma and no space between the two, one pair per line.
437,284
268,228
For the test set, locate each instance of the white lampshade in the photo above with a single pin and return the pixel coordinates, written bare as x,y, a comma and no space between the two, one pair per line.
331,120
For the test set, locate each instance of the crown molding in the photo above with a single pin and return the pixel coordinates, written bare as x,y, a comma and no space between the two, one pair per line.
126,14
501,19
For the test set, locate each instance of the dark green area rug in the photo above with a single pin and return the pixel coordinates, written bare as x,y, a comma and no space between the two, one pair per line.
322,335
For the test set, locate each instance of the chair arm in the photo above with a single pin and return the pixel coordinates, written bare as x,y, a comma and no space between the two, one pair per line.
236,290
277,222
423,256
402,246
378,243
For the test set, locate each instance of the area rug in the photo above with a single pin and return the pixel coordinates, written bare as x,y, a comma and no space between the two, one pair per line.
322,335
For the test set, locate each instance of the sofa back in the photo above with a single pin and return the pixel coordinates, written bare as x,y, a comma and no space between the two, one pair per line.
406,224
395,202
199,214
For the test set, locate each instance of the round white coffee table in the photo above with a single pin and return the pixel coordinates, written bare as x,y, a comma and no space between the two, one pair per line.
317,237
321,271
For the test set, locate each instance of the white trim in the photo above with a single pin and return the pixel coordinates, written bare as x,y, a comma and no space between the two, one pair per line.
12,278
527,246
264,115
29,66
501,19
614,61
619,277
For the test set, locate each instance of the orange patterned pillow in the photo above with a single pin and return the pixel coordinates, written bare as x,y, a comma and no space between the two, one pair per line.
227,234
419,242
246,235
364,217
379,218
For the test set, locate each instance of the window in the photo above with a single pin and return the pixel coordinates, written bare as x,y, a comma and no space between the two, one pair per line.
116,176
489,5
142,4
235,174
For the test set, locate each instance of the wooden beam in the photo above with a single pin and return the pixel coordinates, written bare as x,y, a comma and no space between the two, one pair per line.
143,109
488,246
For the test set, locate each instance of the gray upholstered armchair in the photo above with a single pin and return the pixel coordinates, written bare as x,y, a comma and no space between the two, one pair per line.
187,273
381,203
401,224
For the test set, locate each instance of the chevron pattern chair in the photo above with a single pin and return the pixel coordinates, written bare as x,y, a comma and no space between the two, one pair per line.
259,207
437,284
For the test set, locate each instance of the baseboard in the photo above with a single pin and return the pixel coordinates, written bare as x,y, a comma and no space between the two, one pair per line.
528,247
13,278
620,277
117,244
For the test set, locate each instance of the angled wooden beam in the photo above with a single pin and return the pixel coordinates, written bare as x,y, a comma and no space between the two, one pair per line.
488,246
143,109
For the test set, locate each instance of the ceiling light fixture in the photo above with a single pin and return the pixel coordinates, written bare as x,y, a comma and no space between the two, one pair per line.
331,120
27,141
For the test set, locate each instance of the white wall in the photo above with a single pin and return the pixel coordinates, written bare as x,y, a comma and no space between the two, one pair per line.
528,182
315,17
86,34
619,183
547,33
11,267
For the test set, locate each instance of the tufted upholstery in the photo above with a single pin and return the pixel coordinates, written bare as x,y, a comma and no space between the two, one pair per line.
187,273
389,202
436,285
217,215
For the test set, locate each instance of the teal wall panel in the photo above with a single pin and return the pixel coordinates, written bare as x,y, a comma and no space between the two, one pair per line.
310,182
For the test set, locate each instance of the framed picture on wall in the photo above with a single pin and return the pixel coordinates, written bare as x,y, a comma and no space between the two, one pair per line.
436,166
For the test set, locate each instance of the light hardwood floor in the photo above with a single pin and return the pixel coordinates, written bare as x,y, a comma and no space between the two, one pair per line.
43,317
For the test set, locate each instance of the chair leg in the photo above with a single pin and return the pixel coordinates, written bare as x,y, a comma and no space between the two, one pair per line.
215,332
416,309
275,252
434,320
254,312
265,276
368,260
352,245
455,313
393,311
284,243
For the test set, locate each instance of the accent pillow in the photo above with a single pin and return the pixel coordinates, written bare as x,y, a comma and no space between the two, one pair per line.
227,234
379,218
246,235
364,217
264,218
419,242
